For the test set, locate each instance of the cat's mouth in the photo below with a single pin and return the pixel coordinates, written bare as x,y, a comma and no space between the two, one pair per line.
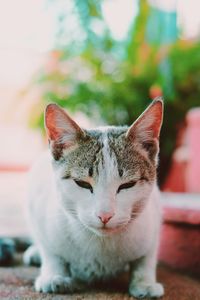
112,230
104,230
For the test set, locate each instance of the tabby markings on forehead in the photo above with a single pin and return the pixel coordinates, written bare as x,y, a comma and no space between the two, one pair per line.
130,158
109,152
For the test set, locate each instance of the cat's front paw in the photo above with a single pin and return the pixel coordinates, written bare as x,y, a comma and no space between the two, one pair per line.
141,290
54,284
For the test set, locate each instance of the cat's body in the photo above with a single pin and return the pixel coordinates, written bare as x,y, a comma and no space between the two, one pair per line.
94,206
103,256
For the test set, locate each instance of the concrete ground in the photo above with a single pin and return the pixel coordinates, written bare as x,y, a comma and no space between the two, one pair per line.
16,283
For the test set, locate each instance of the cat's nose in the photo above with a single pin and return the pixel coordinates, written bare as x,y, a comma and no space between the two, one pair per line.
105,217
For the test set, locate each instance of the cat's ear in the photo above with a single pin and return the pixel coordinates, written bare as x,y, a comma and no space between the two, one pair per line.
62,131
146,129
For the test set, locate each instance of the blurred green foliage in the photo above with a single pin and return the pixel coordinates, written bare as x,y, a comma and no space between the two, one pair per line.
114,81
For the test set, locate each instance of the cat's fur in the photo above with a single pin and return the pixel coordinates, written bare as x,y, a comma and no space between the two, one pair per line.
92,232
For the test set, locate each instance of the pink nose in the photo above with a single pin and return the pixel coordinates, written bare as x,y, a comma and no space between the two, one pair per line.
105,217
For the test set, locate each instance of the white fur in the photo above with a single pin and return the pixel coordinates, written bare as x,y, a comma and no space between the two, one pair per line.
67,230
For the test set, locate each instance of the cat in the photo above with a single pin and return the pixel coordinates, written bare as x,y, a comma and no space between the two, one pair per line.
94,204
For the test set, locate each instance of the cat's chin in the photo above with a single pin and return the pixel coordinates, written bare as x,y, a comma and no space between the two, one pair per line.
105,231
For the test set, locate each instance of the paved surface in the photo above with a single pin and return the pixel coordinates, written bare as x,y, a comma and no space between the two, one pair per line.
16,283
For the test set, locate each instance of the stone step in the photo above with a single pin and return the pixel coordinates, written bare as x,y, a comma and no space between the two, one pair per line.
180,234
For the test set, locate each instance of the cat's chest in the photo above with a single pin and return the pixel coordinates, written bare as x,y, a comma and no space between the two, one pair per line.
98,258
91,257
96,264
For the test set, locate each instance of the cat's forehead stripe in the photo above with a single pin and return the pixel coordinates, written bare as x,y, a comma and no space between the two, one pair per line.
109,167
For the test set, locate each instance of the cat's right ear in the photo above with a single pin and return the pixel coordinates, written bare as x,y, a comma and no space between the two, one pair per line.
146,129
62,131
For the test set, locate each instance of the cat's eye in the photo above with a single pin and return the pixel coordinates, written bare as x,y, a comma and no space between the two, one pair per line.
84,185
126,185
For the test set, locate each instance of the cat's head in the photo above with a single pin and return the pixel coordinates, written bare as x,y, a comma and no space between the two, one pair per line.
104,175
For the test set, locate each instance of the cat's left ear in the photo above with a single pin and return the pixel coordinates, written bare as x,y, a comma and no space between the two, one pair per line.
62,131
146,129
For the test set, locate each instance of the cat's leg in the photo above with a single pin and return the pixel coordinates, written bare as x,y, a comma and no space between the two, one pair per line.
55,277
143,277
32,256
